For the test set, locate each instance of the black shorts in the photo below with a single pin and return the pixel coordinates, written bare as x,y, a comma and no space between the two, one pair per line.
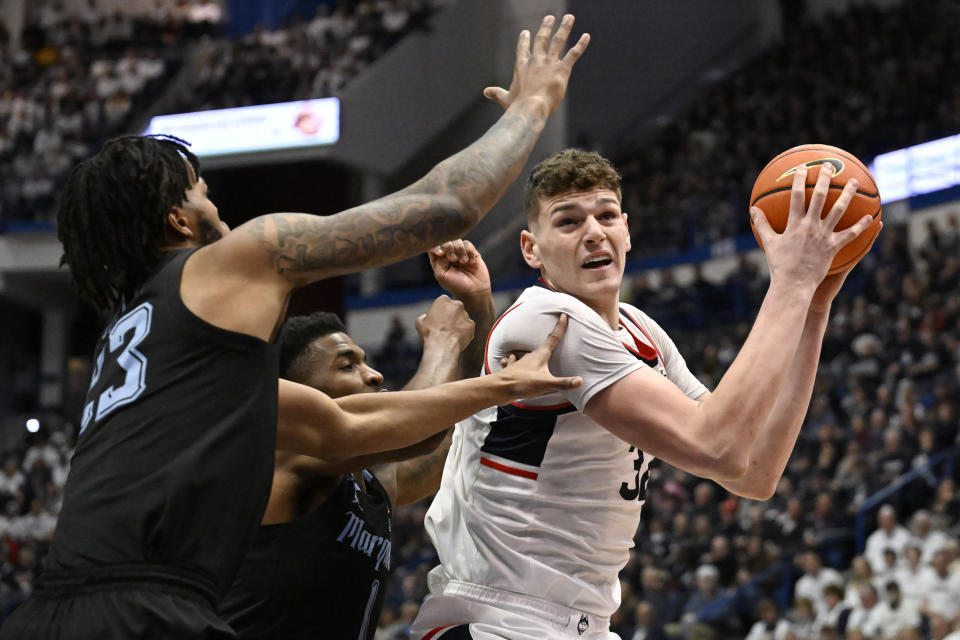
104,605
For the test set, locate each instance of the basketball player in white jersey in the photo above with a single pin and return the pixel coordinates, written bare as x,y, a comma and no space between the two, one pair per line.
540,499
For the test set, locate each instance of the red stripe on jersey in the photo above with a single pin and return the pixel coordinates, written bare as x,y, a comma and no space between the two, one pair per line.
486,346
434,632
523,473
645,335
544,407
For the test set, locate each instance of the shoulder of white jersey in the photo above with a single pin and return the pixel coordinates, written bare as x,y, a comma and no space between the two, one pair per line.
536,300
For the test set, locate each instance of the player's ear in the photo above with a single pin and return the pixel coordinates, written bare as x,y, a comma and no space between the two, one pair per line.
624,214
179,225
530,249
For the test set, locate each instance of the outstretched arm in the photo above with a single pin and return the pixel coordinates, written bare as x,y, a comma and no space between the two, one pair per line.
715,436
775,443
443,205
366,423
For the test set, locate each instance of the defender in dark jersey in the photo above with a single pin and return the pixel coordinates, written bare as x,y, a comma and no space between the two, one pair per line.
172,467
319,565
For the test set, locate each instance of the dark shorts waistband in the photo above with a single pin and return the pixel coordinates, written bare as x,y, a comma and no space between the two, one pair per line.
68,582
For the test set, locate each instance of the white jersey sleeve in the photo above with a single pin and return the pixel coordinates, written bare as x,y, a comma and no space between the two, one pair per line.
589,348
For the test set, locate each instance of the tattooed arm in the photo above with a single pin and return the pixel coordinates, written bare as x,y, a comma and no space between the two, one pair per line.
445,203
242,282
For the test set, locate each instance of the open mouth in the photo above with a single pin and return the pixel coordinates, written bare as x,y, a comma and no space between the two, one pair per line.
596,263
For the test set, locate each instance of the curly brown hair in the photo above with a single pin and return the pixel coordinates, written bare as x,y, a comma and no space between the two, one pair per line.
568,171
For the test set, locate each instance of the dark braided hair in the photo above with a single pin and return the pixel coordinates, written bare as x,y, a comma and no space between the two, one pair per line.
113,211
295,338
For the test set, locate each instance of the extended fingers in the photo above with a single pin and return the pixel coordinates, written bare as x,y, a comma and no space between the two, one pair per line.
559,39
523,48
543,36
847,235
840,206
798,195
761,224
577,50
820,190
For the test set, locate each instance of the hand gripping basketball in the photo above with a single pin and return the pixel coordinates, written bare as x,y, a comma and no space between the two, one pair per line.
803,253
772,193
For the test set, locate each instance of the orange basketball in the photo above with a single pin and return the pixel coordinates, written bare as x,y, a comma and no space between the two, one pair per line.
771,193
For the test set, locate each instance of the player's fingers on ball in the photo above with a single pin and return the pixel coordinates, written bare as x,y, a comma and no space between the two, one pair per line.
760,222
820,190
843,201
560,37
577,50
543,36
798,193
850,233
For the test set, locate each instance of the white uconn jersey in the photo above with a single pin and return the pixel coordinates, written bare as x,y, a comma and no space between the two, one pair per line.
537,498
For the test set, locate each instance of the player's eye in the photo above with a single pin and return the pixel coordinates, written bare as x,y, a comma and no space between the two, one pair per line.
563,222
346,367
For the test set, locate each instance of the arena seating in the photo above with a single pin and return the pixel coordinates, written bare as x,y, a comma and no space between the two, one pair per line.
886,399
78,79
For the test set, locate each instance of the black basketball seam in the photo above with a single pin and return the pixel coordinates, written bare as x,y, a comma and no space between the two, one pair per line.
834,150
810,186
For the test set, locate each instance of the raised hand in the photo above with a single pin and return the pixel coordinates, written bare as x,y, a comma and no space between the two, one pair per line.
530,377
802,254
459,268
541,73
446,317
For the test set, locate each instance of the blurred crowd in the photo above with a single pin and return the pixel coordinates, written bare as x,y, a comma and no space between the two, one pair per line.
308,59
32,476
75,78
707,565
869,81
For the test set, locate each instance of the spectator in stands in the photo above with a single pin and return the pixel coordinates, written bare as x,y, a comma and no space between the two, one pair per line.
860,574
889,535
803,620
866,616
814,580
645,625
895,613
938,589
946,504
836,612
929,539
770,626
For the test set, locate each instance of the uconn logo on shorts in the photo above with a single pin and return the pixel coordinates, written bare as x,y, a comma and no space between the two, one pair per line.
356,536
